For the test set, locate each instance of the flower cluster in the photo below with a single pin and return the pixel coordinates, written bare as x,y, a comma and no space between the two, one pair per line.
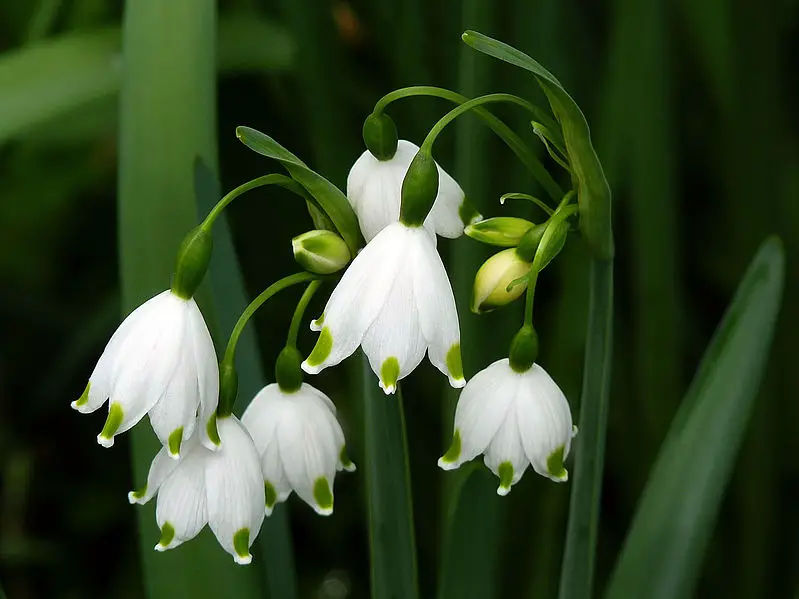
394,300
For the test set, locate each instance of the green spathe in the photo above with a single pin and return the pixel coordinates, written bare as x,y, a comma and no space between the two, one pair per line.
389,373
323,495
555,464
380,136
454,451
322,348
192,262
175,440
419,189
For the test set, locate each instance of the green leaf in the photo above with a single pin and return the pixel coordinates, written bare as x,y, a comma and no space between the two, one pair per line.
330,198
593,192
392,540
167,121
577,572
662,555
48,81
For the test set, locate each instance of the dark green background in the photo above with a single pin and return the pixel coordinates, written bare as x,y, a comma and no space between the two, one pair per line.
692,105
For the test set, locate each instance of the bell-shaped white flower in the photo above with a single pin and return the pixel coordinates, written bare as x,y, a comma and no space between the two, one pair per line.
395,300
160,361
515,419
222,488
300,442
374,190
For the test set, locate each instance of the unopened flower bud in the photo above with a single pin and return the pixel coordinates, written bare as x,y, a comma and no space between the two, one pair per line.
380,136
496,282
502,231
320,252
419,189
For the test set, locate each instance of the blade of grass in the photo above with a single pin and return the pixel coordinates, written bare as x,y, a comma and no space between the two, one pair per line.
663,552
577,571
392,540
167,121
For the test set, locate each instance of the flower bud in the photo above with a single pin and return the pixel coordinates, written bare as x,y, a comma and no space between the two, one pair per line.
503,231
419,189
493,279
192,262
380,136
320,252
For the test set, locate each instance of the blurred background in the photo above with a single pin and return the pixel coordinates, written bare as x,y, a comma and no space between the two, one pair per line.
692,105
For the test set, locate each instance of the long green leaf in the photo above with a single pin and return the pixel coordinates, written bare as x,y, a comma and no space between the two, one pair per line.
167,122
577,572
663,552
392,541
592,188
43,82
330,198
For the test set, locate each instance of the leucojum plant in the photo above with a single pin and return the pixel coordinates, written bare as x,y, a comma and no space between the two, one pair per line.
393,299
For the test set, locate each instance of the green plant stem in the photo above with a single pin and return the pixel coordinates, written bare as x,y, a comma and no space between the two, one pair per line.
505,133
299,311
274,288
577,571
272,179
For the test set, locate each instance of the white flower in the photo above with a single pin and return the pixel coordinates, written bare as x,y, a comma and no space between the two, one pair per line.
222,488
301,445
161,361
395,301
374,188
515,419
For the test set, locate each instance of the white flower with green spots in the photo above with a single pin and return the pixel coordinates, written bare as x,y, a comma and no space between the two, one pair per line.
222,488
301,445
395,300
374,191
515,419
160,361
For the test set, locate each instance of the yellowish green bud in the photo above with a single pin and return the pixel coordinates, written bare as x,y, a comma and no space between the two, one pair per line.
502,231
496,283
320,252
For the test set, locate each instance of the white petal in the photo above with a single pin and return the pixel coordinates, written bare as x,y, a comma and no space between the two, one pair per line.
545,420
308,454
101,377
235,489
445,217
358,297
161,467
395,337
333,424
181,510
207,377
482,407
505,454
438,314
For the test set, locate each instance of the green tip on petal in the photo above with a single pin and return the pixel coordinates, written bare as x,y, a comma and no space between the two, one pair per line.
211,430
453,453
323,496
324,344
84,398
241,545
167,535
505,478
137,496
271,495
555,465
454,362
389,374
345,460
469,213
112,424
175,440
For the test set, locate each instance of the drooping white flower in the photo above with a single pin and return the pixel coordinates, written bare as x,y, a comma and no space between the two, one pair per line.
222,488
160,361
515,419
374,190
301,445
395,300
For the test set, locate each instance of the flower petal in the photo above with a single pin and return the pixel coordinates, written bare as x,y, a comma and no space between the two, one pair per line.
181,510
445,217
207,377
235,490
161,468
505,454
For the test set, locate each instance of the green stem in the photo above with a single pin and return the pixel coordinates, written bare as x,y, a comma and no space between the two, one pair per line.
505,133
274,288
530,297
273,179
296,320
577,570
